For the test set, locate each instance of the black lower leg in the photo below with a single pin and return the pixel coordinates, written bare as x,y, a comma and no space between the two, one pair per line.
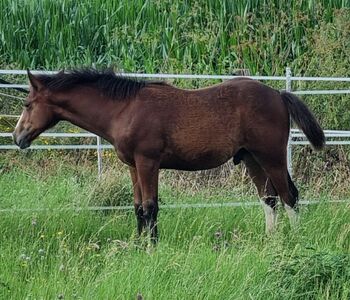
140,218
271,201
150,212
293,193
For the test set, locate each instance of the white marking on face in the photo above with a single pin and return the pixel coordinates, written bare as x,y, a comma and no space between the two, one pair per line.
270,217
292,215
19,121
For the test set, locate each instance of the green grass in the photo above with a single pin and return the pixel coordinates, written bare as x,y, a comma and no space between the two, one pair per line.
202,253
152,36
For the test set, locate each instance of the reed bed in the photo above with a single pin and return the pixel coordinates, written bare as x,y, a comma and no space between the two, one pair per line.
204,36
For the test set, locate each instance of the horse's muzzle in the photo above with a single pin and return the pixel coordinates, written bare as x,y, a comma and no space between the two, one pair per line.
21,140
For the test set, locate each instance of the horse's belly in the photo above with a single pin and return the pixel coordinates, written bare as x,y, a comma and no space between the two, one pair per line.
202,161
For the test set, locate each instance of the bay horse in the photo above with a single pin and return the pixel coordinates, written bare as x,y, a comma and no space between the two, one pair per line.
154,125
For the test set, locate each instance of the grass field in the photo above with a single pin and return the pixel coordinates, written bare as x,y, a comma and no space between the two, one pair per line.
219,253
202,254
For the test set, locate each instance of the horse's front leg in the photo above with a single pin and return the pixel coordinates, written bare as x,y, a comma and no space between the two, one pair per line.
137,201
147,175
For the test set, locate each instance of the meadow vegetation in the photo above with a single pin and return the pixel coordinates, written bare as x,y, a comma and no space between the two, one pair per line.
216,253
221,253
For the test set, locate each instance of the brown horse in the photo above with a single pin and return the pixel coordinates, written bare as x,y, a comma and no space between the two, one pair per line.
154,125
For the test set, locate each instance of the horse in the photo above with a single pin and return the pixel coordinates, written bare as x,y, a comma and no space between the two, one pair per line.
154,125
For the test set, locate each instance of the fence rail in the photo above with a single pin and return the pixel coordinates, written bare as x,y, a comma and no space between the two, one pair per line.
334,137
163,206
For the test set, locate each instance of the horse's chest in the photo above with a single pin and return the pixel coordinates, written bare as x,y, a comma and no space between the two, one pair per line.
125,154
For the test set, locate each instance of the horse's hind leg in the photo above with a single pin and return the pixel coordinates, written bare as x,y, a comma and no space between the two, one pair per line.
266,191
275,167
294,196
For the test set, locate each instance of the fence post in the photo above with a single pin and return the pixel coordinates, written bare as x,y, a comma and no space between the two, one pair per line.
99,156
289,146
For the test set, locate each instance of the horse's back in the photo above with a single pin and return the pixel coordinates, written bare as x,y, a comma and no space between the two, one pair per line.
204,128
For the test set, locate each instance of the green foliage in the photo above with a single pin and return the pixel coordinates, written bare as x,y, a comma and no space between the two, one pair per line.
329,55
204,36
202,254
310,275
113,189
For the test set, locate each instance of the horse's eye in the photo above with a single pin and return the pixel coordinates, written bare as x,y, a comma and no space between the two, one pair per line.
26,105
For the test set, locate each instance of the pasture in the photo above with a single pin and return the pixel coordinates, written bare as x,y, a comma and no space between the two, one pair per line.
51,250
211,253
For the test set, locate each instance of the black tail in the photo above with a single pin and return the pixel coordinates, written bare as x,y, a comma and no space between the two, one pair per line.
305,120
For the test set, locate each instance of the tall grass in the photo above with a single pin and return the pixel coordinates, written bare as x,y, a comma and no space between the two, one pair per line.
202,253
183,36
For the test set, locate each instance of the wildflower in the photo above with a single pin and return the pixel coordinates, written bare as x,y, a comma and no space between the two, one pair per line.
24,257
41,252
59,233
61,268
34,222
94,246
139,296
60,296
216,248
218,234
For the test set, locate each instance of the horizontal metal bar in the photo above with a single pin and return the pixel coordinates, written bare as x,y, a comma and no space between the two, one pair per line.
105,147
194,76
57,134
83,134
295,134
336,134
57,147
306,78
87,134
22,86
160,75
24,72
310,92
295,130
321,92
165,206
327,143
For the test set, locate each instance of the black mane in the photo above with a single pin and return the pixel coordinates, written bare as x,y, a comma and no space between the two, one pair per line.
111,85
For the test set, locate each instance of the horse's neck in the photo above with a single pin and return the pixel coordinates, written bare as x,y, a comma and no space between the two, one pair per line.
92,113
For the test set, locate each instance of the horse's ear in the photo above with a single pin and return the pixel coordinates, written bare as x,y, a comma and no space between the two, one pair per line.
34,82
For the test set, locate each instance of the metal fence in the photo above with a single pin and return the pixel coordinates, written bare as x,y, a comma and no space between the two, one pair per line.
333,137
296,137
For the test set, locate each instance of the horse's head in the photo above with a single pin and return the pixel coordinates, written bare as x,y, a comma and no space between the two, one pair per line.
37,116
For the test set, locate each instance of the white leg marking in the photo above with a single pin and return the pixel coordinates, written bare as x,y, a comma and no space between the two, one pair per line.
292,215
270,217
